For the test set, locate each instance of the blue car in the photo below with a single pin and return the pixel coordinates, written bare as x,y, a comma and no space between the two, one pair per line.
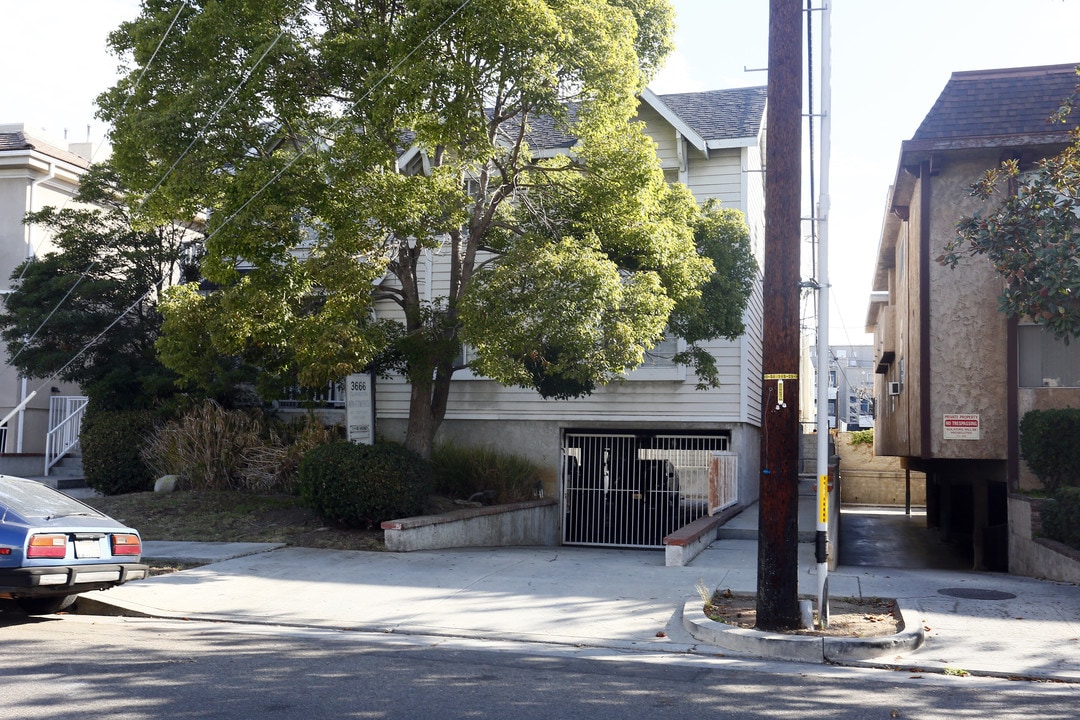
53,547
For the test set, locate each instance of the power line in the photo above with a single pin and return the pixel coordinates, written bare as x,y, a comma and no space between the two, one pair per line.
272,180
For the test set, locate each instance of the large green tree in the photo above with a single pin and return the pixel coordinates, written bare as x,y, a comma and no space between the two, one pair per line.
1031,234
87,311
336,146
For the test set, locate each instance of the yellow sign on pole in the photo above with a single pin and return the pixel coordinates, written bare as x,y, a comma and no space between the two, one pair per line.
823,498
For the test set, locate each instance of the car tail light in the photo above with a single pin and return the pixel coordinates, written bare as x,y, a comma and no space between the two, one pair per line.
47,546
126,544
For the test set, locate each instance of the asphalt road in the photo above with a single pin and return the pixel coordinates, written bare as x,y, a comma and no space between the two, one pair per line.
136,669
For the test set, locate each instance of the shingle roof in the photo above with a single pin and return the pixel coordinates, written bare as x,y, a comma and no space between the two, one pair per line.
720,114
20,140
713,114
990,103
543,135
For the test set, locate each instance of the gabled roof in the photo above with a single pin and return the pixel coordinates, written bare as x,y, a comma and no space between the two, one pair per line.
708,120
1007,109
545,135
14,138
714,118
998,108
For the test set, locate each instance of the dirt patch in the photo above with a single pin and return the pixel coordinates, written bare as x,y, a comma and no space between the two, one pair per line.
848,617
234,516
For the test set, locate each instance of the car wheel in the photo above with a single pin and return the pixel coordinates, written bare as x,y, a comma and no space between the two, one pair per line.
45,605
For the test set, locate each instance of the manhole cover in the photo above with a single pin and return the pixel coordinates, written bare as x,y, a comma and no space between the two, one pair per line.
977,594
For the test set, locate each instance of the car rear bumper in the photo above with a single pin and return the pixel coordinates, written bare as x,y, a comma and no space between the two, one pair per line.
68,579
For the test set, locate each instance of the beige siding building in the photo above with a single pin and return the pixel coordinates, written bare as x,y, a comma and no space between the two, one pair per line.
712,142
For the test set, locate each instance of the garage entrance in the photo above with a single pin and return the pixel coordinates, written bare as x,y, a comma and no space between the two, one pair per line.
631,489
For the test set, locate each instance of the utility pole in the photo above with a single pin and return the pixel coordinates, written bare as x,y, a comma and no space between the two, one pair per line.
778,508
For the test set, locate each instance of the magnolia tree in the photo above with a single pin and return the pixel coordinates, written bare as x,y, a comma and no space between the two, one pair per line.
1031,234
335,145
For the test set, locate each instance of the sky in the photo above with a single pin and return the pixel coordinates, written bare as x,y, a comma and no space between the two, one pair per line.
889,62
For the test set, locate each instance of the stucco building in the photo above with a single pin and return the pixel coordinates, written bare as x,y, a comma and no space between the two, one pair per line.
955,375
35,172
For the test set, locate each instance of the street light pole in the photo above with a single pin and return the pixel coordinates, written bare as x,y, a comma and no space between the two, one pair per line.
821,540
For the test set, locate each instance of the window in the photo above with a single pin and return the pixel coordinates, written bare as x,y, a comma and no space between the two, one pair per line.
659,362
1046,361
331,396
663,354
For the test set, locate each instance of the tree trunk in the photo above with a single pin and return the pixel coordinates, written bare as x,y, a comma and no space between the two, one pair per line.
427,408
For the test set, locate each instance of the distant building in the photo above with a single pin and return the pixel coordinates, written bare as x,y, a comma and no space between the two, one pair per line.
850,388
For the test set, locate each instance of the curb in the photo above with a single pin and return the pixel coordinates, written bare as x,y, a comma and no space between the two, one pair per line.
799,648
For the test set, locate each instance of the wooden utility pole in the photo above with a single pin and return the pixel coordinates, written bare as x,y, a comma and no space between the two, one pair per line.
778,508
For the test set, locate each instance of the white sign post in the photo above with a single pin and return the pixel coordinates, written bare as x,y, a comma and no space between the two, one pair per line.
360,408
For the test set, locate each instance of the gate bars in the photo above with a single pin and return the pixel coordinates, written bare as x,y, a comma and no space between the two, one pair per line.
630,490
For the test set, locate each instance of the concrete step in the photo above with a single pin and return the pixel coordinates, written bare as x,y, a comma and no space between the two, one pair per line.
61,482
68,466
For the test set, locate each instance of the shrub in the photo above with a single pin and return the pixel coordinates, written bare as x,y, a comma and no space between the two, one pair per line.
206,447
355,485
463,472
1048,443
861,437
1061,517
111,441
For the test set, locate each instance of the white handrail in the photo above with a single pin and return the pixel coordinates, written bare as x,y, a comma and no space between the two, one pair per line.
65,420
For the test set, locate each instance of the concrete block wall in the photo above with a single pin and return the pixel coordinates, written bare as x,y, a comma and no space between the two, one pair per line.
868,479
1034,556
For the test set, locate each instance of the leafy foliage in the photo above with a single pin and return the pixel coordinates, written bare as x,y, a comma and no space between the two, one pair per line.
1048,446
355,485
861,437
1061,516
465,472
304,153
1032,236
104,275
111,441
722,236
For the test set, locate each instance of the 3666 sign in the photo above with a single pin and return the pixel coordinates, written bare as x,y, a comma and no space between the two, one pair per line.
360,408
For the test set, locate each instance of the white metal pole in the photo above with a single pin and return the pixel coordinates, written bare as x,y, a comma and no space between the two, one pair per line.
822,214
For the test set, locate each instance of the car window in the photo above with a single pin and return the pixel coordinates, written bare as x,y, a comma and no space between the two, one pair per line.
32,499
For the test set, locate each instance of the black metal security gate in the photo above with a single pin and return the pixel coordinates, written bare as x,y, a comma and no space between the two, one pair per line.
630,490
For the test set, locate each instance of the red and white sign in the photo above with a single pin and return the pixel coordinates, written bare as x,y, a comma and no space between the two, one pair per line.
961,427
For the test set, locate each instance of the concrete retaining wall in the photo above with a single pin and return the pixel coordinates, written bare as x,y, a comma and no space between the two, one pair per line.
23,465
869,479
1035,556
533,522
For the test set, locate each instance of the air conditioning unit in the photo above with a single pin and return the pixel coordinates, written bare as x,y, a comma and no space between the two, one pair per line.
894,388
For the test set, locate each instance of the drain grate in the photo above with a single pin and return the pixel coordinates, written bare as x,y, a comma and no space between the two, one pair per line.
976,593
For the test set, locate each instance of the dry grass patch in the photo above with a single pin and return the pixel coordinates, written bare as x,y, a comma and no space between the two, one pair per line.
231,516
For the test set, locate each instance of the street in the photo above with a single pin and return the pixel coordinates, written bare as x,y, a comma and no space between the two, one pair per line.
77,666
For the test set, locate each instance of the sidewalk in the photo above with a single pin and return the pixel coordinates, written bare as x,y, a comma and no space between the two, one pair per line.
598,598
